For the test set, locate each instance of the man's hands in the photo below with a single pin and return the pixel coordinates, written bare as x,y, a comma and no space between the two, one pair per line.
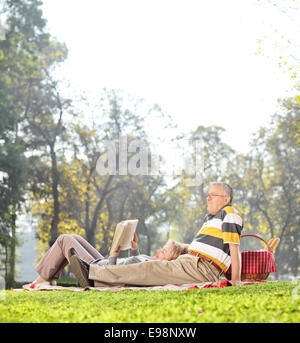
115,253
134,246
134,242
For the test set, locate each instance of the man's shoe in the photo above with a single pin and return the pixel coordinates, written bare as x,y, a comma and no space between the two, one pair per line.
80,269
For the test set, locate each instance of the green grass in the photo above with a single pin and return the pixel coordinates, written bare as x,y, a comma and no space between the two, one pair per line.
259,303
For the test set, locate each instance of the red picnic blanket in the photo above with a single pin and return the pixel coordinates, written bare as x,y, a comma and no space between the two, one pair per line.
170,287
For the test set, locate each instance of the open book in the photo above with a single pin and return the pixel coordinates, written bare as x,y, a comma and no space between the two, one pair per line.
124,234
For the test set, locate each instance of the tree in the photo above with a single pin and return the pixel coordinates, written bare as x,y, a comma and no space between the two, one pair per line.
92,202
14,167
43,126
274,188
212,155
23,56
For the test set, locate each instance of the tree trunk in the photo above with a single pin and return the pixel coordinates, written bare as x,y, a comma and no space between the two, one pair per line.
11,254
149,242
55,182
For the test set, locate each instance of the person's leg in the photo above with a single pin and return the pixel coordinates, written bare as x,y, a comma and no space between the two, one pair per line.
52,264
185,269
88,247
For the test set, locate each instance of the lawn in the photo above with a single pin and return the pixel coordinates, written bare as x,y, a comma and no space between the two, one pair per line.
276,302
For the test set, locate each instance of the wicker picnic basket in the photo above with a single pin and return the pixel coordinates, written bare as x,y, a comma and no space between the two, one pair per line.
257,265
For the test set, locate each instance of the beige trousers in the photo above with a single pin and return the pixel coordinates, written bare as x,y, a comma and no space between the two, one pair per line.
54,261
185,269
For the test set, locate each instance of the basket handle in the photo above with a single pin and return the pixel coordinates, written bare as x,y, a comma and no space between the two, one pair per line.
268,247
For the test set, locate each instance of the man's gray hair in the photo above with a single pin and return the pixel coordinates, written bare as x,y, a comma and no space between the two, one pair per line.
226,188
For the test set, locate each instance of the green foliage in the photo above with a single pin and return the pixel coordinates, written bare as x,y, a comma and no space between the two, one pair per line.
26,56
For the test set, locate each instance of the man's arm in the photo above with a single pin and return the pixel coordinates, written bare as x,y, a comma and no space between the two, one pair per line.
134,251
235,264
113,255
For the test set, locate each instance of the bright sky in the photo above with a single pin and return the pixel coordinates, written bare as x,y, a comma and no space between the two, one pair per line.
196,59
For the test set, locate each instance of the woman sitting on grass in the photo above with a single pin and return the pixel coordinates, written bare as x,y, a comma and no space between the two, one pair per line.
57,257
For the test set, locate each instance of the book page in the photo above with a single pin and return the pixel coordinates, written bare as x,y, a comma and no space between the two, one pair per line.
124,234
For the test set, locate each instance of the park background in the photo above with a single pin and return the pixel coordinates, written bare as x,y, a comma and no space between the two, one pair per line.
168,73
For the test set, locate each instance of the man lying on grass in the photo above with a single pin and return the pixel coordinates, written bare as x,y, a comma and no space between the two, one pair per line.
213,250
